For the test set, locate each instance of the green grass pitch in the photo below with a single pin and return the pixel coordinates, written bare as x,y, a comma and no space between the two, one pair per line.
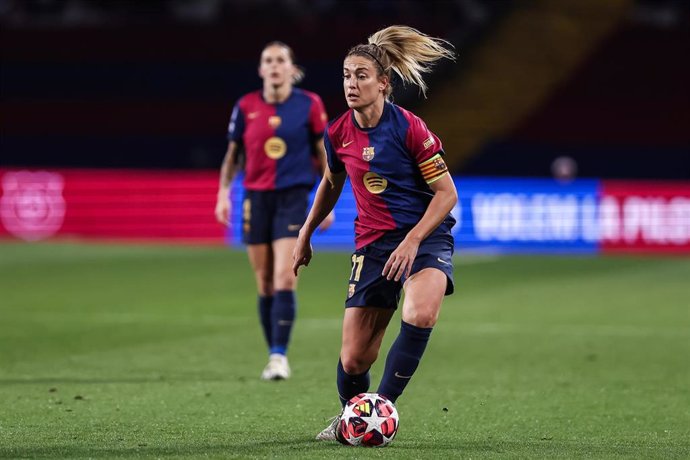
154,351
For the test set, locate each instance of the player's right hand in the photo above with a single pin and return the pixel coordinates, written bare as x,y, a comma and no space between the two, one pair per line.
223,210
302,253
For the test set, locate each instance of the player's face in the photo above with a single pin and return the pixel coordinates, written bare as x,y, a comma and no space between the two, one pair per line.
361,82
276,67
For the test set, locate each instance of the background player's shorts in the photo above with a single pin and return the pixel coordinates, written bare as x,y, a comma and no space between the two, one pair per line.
270,215
367,288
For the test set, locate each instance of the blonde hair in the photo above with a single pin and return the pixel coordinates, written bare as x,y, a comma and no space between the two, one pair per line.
406,51
299,71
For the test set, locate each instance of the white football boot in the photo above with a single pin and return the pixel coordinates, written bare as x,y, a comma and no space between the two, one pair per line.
330,433
277,368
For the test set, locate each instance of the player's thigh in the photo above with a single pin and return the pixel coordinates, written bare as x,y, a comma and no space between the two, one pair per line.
363,331
261,260
283,276
424,292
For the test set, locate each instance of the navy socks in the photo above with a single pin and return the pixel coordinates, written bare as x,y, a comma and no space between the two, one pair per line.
265,305
403,359
351,385
282,317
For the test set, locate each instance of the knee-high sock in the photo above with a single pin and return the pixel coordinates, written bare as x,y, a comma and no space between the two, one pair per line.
265,304
351,385
403,359
282,317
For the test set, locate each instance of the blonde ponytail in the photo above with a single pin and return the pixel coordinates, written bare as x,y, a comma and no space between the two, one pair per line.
406,51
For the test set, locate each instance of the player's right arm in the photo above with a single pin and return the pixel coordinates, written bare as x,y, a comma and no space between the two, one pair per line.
326,197
228,170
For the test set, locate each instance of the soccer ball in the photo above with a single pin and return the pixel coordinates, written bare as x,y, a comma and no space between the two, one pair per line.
369,419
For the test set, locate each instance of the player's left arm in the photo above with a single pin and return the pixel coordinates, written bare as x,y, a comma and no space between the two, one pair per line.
445,197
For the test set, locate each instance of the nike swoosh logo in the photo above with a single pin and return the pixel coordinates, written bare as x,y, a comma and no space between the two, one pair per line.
442,261
284,322
402,376
252,115
345,144
293,227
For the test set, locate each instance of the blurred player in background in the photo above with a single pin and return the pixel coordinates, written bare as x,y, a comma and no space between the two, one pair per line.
280,129
404,196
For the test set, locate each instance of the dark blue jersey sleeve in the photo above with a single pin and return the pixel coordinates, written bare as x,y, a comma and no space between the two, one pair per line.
334,163
236,126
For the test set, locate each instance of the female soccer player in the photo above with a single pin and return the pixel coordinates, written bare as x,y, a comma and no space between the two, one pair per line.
281,130
404,196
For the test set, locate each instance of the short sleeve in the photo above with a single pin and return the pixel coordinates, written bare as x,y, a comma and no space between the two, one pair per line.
317,116
334,163
236,126
422,143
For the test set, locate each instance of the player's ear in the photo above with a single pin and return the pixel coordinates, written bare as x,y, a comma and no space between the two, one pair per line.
383,82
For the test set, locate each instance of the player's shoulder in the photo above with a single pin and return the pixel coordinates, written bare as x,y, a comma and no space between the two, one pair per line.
251,99
306,94
338,125
404,114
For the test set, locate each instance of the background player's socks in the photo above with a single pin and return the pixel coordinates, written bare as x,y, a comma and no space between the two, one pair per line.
403,359
351,385
265,305
282,317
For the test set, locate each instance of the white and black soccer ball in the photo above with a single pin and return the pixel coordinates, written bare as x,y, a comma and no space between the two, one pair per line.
369,419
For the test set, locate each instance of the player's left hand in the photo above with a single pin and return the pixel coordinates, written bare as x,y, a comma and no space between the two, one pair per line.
400,261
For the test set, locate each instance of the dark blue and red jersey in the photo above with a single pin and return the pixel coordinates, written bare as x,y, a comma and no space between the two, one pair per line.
278,139
390,168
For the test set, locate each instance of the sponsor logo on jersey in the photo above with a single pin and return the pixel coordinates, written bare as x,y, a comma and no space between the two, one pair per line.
275,148
368,153
274,121
374,183
345,144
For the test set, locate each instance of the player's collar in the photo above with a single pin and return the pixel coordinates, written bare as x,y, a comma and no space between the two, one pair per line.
384,116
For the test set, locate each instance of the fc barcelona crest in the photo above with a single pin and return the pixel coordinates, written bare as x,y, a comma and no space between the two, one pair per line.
368,153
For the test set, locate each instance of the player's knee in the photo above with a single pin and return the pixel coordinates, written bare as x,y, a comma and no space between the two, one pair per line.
424,319
285,281
354,364
265,284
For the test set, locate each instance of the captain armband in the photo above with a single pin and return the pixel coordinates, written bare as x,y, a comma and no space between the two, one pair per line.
433,169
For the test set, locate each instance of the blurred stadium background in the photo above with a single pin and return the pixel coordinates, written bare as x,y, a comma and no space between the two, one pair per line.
597,86
566,125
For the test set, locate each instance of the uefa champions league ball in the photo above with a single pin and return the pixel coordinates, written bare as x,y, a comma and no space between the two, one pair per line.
369,419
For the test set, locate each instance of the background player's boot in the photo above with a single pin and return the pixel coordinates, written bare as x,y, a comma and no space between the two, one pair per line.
277,368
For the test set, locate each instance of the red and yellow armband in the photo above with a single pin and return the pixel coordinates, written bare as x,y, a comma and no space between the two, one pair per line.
433,169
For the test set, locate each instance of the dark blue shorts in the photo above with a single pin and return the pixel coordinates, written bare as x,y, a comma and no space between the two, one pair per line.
271,215
367,288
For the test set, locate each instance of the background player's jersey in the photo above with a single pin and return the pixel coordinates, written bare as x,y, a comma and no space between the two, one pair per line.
278,139
389,167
